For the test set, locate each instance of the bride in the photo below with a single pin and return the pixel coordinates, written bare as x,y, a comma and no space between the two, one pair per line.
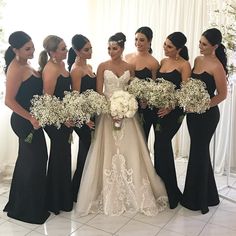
118,175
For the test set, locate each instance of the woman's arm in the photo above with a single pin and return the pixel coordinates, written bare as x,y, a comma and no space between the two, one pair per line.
50,75
185,71
155,67
76,75
100,78
221,85
13,83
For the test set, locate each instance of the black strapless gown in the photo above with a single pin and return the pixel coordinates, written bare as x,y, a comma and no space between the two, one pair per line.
59,186
163,154
84,134
200,189
147,115
28,187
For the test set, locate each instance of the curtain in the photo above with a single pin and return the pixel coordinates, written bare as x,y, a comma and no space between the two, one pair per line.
98,20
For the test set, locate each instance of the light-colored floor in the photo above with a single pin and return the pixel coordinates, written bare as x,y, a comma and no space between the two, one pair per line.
220,221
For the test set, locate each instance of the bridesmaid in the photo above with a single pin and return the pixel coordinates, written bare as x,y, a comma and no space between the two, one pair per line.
83,78
200,188
28,187
56,80
174,68
145,67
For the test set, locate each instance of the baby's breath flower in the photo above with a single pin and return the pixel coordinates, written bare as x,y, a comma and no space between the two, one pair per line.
139,88
161,94
80,107
94,103
72,108
47,110
193,96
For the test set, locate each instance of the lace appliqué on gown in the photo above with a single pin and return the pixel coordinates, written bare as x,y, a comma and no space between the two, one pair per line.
120,194
119,175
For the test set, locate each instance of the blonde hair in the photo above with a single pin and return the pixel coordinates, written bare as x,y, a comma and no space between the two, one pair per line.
50,44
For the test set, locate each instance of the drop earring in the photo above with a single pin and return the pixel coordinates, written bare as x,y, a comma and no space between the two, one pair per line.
17,58
77,59
54,60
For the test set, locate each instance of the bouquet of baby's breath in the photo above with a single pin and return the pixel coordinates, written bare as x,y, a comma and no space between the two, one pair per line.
73,108
122,105
47,109
93,103
138,87
193,96
161,94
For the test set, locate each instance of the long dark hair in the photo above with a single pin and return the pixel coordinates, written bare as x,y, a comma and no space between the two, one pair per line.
78,41
214,37
16,40
179,40
147,31
119,38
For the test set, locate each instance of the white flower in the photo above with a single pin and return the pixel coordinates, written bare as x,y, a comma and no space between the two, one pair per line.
233,3
122,104
161,94
94,103
47,109
193,96
138,87
72,108
79,107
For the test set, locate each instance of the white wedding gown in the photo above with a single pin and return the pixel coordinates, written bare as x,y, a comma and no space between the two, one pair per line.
118,175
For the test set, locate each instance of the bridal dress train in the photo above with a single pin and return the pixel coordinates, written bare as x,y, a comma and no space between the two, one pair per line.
118,175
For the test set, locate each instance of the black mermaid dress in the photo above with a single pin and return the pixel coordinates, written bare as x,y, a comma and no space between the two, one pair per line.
28,187
163,154
147,115
200,189
59,184
84,134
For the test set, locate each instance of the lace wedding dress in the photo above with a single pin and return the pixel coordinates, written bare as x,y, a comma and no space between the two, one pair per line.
118,175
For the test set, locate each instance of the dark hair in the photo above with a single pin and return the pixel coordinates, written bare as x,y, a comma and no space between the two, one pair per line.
16,40
147,31
50,44
78,41
119,38
179,40
214,37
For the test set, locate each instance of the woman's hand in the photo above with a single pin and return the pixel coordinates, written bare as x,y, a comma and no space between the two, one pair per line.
69,123
91,124
163,112
34,123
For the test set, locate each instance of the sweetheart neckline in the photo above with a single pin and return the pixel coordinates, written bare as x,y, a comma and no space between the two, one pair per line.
116,74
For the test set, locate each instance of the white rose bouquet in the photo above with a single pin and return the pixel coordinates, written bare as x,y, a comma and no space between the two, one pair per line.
193,96
122,105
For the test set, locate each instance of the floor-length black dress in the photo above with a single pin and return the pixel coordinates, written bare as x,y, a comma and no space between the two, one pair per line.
147,115
200,188
59,185
163,154
28,188
84,134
